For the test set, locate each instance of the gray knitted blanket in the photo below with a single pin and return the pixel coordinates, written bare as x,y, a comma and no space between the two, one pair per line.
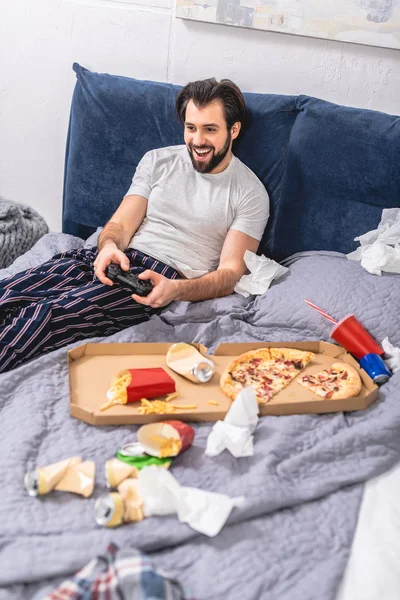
20,228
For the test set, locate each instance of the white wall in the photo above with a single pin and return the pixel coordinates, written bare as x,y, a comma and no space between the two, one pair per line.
40,39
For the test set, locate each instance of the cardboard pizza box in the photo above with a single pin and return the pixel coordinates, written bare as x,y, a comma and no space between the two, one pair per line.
93,366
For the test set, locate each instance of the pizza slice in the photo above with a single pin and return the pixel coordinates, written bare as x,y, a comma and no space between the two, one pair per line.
267,370
339,382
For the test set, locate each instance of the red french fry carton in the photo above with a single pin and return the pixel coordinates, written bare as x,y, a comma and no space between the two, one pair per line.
132,385
167,438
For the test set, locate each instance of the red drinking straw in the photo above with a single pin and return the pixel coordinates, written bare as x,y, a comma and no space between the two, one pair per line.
322,312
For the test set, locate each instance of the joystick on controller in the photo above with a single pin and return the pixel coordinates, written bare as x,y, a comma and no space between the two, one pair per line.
141,287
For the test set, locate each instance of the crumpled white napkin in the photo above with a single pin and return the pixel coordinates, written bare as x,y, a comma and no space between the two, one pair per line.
234,433
379,249
393,362
263,271
206,512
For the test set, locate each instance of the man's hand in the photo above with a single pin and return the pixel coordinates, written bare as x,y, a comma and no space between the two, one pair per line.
107,255
164,291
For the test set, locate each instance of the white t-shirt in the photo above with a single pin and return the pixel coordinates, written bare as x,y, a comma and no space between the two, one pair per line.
189,213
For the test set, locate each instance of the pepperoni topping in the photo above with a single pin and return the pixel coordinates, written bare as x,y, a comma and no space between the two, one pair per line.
297,364
241,378
329,394
345,375
264,391
255,361
266,387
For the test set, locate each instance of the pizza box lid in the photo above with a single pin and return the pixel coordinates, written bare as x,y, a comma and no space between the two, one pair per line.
92,366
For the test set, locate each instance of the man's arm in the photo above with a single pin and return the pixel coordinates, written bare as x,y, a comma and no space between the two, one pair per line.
117,233
213,285
124,223
230,269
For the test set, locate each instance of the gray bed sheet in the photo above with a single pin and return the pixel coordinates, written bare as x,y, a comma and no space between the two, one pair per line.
303,485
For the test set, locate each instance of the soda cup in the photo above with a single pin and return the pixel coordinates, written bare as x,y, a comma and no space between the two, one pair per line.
374,366
350,334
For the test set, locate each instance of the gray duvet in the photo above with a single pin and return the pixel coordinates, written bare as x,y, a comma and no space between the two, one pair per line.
291,539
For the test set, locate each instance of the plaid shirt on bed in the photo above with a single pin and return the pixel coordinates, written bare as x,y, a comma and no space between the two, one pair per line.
119,575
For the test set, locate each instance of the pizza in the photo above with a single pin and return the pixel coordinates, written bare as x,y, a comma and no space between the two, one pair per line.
267,370
338,382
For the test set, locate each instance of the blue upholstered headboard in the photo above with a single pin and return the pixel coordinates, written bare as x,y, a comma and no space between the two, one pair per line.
329,170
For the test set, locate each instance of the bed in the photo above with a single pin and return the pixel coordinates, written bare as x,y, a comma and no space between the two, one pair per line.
303,487
372,570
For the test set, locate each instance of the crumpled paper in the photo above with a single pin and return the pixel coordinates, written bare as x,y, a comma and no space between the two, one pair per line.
263,271
205,512
379,249
234,433
393,362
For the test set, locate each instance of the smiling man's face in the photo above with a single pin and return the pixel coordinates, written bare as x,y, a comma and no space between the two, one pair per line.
207,137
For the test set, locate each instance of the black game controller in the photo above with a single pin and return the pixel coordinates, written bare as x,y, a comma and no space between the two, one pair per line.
140,287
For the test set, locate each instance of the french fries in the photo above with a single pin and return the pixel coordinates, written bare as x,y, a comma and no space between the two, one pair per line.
168,446
161,407
117,393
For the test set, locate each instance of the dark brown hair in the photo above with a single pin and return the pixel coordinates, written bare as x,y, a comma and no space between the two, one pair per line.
204,91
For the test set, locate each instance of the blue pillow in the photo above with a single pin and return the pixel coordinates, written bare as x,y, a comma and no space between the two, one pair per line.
114,121
342,169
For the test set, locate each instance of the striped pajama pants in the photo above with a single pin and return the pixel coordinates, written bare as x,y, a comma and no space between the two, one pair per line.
61,302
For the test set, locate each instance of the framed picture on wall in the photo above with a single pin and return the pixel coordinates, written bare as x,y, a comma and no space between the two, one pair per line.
371,22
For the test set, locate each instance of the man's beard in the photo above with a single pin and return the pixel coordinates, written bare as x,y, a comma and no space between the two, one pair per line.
216,157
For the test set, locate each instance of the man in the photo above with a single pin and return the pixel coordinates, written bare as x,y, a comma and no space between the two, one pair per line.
185,223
